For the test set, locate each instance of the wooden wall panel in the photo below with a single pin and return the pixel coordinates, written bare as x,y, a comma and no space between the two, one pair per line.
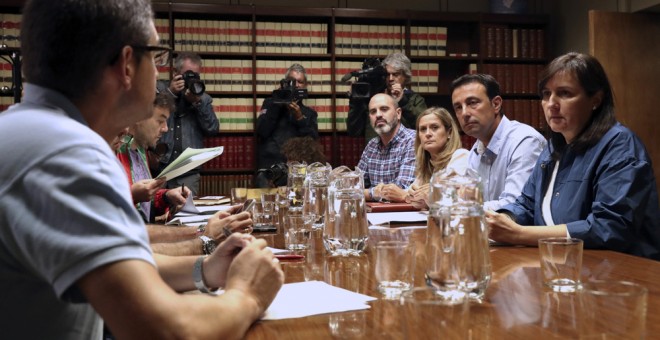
628,46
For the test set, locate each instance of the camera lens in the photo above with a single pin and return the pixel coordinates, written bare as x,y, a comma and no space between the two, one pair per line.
197,88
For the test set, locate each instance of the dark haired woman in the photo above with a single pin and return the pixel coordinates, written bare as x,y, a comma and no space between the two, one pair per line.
594,181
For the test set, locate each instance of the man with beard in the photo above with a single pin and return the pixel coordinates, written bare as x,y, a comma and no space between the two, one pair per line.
389,157
150,197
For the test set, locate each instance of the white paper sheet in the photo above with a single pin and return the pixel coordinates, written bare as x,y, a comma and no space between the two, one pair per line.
297,300
400,217
189,159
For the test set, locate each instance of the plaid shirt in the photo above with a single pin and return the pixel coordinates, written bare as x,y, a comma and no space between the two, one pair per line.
391,163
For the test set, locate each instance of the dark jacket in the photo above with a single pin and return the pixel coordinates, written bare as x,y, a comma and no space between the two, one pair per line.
357,123
275,126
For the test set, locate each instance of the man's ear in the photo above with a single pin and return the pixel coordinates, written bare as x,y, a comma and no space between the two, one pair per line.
125,67
497,104
398,113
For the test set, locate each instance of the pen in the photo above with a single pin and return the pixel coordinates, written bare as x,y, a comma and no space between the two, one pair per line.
183,191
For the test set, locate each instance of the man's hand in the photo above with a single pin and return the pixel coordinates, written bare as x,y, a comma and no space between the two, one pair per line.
294,111
177,198
177,84
256,274
217,264
145,190
192,99
396,92
237,223
392,193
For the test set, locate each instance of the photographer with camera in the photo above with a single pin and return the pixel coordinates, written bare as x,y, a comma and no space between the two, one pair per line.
393,78
193,118
282,117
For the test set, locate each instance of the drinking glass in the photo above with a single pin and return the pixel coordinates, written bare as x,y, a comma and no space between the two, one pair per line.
561,263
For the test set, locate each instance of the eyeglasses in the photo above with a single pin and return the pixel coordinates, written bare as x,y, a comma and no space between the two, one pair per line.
162,55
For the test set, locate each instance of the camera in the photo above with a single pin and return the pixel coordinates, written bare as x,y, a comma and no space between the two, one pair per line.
371,79
288,93
193,83
276,172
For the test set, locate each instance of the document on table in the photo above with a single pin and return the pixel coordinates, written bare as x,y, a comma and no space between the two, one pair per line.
397,217
189,159
300,299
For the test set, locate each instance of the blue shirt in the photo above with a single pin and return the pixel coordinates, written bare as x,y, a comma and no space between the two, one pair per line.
606,196
505,164
391,163
65,210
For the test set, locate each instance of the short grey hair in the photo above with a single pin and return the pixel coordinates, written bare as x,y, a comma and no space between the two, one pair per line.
297,68
182,56
401,63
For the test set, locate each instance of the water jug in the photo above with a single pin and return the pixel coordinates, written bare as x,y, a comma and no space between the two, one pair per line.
346,229
457,239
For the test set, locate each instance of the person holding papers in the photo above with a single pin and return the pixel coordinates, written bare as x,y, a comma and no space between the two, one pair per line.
74,252
150,198
437,146
193,118
152,201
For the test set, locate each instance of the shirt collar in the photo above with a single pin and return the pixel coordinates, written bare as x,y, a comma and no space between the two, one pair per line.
43,96
497,141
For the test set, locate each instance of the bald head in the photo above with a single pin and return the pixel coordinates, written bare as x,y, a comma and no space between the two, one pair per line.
384,114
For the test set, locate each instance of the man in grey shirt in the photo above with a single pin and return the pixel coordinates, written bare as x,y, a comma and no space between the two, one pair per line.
73,249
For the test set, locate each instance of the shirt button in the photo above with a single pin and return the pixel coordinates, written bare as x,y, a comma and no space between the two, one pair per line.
557,194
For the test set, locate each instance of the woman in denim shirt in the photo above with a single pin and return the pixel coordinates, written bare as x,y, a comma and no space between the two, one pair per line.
594,181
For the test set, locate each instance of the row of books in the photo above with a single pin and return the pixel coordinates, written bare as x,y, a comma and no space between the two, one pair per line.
528,111
234,114
350,150
220,185
372,40
212,35
291,37
5,102
500,41
238,152
428,41
10,29
515,78
323,107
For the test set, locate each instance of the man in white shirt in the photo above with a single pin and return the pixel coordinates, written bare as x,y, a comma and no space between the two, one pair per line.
506,150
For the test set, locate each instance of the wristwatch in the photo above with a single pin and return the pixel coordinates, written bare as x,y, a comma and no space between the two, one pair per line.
208,244
198,276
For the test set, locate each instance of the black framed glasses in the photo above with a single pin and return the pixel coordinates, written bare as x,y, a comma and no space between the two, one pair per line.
162,55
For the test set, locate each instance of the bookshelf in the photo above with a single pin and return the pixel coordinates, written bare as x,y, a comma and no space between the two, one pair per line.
247,49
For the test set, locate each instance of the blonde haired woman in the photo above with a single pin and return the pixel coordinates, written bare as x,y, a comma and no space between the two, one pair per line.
438,146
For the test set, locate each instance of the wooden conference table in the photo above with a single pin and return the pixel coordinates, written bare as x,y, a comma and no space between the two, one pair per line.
516,304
